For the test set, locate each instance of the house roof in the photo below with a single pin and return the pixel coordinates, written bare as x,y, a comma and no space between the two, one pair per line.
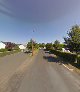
7,42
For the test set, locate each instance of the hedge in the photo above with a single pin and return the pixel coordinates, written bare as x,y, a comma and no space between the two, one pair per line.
70,57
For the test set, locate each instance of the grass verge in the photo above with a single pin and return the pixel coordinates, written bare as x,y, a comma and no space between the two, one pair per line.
8,53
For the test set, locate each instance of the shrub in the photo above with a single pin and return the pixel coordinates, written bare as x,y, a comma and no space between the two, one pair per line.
3,50
49,46
70,57
78,59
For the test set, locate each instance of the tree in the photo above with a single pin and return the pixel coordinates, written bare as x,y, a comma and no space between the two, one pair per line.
56,45
35,45
16,47
73,39
62,45
41,45
49,46
29,45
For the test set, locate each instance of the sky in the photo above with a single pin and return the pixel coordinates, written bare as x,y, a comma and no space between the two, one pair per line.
50,19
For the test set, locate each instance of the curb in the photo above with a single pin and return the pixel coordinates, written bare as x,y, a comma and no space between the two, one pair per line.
68,68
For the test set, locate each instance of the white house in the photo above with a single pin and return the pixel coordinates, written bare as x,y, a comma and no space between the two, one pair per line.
22,47
2,45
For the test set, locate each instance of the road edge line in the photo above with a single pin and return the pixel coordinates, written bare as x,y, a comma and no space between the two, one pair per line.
68,68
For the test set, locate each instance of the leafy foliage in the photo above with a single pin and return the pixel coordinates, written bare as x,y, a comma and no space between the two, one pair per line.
69,57
66,56
73,39
41,45
49,46
35,45
57,45
16,47
3,50
29,45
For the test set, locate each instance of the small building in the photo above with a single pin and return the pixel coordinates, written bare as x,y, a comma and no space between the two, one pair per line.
22,47
2,45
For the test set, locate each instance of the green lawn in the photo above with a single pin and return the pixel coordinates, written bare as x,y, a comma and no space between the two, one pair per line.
8,53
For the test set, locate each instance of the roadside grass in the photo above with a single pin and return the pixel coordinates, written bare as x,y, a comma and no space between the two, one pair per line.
8,53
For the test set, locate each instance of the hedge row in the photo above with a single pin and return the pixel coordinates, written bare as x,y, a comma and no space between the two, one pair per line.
70,57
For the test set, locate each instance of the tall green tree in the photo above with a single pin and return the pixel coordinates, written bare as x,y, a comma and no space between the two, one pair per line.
35,45
56,45
49,46
29,45
73,39
41,45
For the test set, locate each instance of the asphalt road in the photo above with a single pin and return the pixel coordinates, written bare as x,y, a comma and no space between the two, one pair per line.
9,65
40,74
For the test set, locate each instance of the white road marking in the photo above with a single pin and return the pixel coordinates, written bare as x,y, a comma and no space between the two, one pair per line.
68,67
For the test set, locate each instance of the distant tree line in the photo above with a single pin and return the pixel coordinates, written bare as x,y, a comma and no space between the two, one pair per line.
48,46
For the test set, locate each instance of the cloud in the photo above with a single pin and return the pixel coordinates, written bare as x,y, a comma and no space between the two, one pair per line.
41,10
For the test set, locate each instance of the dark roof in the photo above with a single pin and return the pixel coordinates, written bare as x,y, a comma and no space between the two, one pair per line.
7,42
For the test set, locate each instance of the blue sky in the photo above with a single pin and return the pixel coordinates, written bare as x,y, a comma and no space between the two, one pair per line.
50,19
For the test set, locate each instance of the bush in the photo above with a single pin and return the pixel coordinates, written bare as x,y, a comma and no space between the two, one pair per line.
78,59
16,48
3,50
70,57
49,46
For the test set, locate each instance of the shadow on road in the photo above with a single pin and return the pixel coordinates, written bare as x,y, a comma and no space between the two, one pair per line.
51,59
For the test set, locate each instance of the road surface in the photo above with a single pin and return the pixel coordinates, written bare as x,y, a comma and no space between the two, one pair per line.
9,65
41,74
